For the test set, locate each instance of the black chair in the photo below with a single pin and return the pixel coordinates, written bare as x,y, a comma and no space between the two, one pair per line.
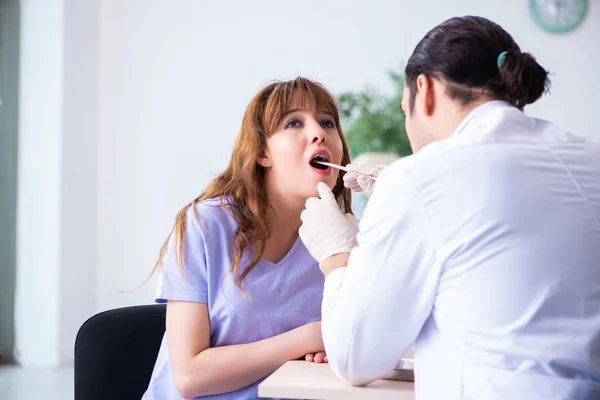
115,352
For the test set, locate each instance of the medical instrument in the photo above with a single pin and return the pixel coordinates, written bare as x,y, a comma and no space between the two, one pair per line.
332,165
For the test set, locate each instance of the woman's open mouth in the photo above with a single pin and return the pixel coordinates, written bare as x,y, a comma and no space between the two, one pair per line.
319,168
314,162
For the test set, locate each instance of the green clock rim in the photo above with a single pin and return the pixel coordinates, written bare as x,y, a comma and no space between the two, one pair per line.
566,28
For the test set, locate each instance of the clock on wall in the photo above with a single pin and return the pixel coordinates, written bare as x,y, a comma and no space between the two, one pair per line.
557,16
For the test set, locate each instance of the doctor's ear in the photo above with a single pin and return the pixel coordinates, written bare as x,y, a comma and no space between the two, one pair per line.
264,159
426,94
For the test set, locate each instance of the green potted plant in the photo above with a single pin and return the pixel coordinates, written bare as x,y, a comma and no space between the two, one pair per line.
374,128
373,122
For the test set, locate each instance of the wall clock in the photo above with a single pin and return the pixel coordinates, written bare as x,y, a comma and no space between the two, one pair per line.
557,16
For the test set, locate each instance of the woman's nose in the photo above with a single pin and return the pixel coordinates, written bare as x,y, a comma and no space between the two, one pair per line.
318,135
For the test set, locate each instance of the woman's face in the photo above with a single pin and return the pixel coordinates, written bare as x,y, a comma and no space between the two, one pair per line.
304,134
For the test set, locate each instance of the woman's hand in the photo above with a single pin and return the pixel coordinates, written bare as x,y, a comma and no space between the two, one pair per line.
319,357
314,340
310,339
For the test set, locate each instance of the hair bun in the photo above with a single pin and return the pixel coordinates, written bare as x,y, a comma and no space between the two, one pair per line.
525,80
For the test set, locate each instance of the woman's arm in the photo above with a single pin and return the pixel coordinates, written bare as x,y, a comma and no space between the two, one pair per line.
199,370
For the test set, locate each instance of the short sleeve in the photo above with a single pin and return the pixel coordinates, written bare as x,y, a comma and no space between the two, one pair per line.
188,282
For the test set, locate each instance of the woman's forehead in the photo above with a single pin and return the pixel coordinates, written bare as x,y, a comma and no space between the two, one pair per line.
304,101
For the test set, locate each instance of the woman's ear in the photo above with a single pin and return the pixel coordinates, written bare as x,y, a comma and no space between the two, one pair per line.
264,159
425,89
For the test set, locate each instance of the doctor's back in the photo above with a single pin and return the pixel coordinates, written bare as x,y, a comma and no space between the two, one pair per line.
486,241
516,205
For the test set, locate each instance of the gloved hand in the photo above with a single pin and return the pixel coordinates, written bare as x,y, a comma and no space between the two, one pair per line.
359,183
325,230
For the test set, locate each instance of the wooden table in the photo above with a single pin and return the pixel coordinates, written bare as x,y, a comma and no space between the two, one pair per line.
304,380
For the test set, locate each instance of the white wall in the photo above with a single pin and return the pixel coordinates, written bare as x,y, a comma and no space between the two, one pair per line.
57,199
129,108
175,77
38,221
79,227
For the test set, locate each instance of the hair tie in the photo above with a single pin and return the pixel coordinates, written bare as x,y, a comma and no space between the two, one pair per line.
501,58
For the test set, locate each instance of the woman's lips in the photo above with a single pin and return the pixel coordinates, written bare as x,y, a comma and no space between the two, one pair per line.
322,172
320,155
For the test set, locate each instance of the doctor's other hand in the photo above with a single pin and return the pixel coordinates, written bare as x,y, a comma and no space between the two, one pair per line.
325,230
361,183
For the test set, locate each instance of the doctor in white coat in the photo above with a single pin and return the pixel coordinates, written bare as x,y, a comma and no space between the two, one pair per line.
482,248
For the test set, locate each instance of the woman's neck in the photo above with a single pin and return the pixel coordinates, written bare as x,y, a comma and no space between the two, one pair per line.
283,218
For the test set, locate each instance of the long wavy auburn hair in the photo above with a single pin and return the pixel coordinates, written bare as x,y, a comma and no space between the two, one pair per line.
243,181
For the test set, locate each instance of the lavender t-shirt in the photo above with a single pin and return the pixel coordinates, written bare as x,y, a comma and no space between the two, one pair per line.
283,295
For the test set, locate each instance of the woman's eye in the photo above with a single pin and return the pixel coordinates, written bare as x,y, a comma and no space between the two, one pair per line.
328,124
294,123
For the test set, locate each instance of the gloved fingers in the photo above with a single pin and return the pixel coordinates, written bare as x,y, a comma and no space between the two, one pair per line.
362,169
311,202
363,181
352,185
356,188
366,184
350,177
325,192
350,182
304,216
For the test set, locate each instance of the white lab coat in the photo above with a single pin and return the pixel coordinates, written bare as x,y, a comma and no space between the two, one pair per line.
484,251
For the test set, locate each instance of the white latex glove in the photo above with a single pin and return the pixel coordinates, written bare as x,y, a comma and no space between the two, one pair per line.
325,230
359,183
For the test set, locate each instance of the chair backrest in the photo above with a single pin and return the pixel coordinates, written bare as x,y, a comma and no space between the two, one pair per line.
115,352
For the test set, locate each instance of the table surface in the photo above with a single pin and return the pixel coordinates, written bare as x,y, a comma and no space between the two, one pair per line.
304,380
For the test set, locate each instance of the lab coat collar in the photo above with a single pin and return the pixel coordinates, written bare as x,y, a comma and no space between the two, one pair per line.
478,112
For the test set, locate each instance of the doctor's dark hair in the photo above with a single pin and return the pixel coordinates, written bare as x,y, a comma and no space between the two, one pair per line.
463,52
241,187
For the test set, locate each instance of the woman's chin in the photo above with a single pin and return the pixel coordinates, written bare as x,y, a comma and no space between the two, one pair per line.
313,190
309,187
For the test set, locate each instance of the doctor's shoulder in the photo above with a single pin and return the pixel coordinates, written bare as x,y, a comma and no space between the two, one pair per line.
433,156
438,164
544,131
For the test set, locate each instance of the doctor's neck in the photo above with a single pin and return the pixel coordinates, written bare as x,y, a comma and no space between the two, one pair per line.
452,113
